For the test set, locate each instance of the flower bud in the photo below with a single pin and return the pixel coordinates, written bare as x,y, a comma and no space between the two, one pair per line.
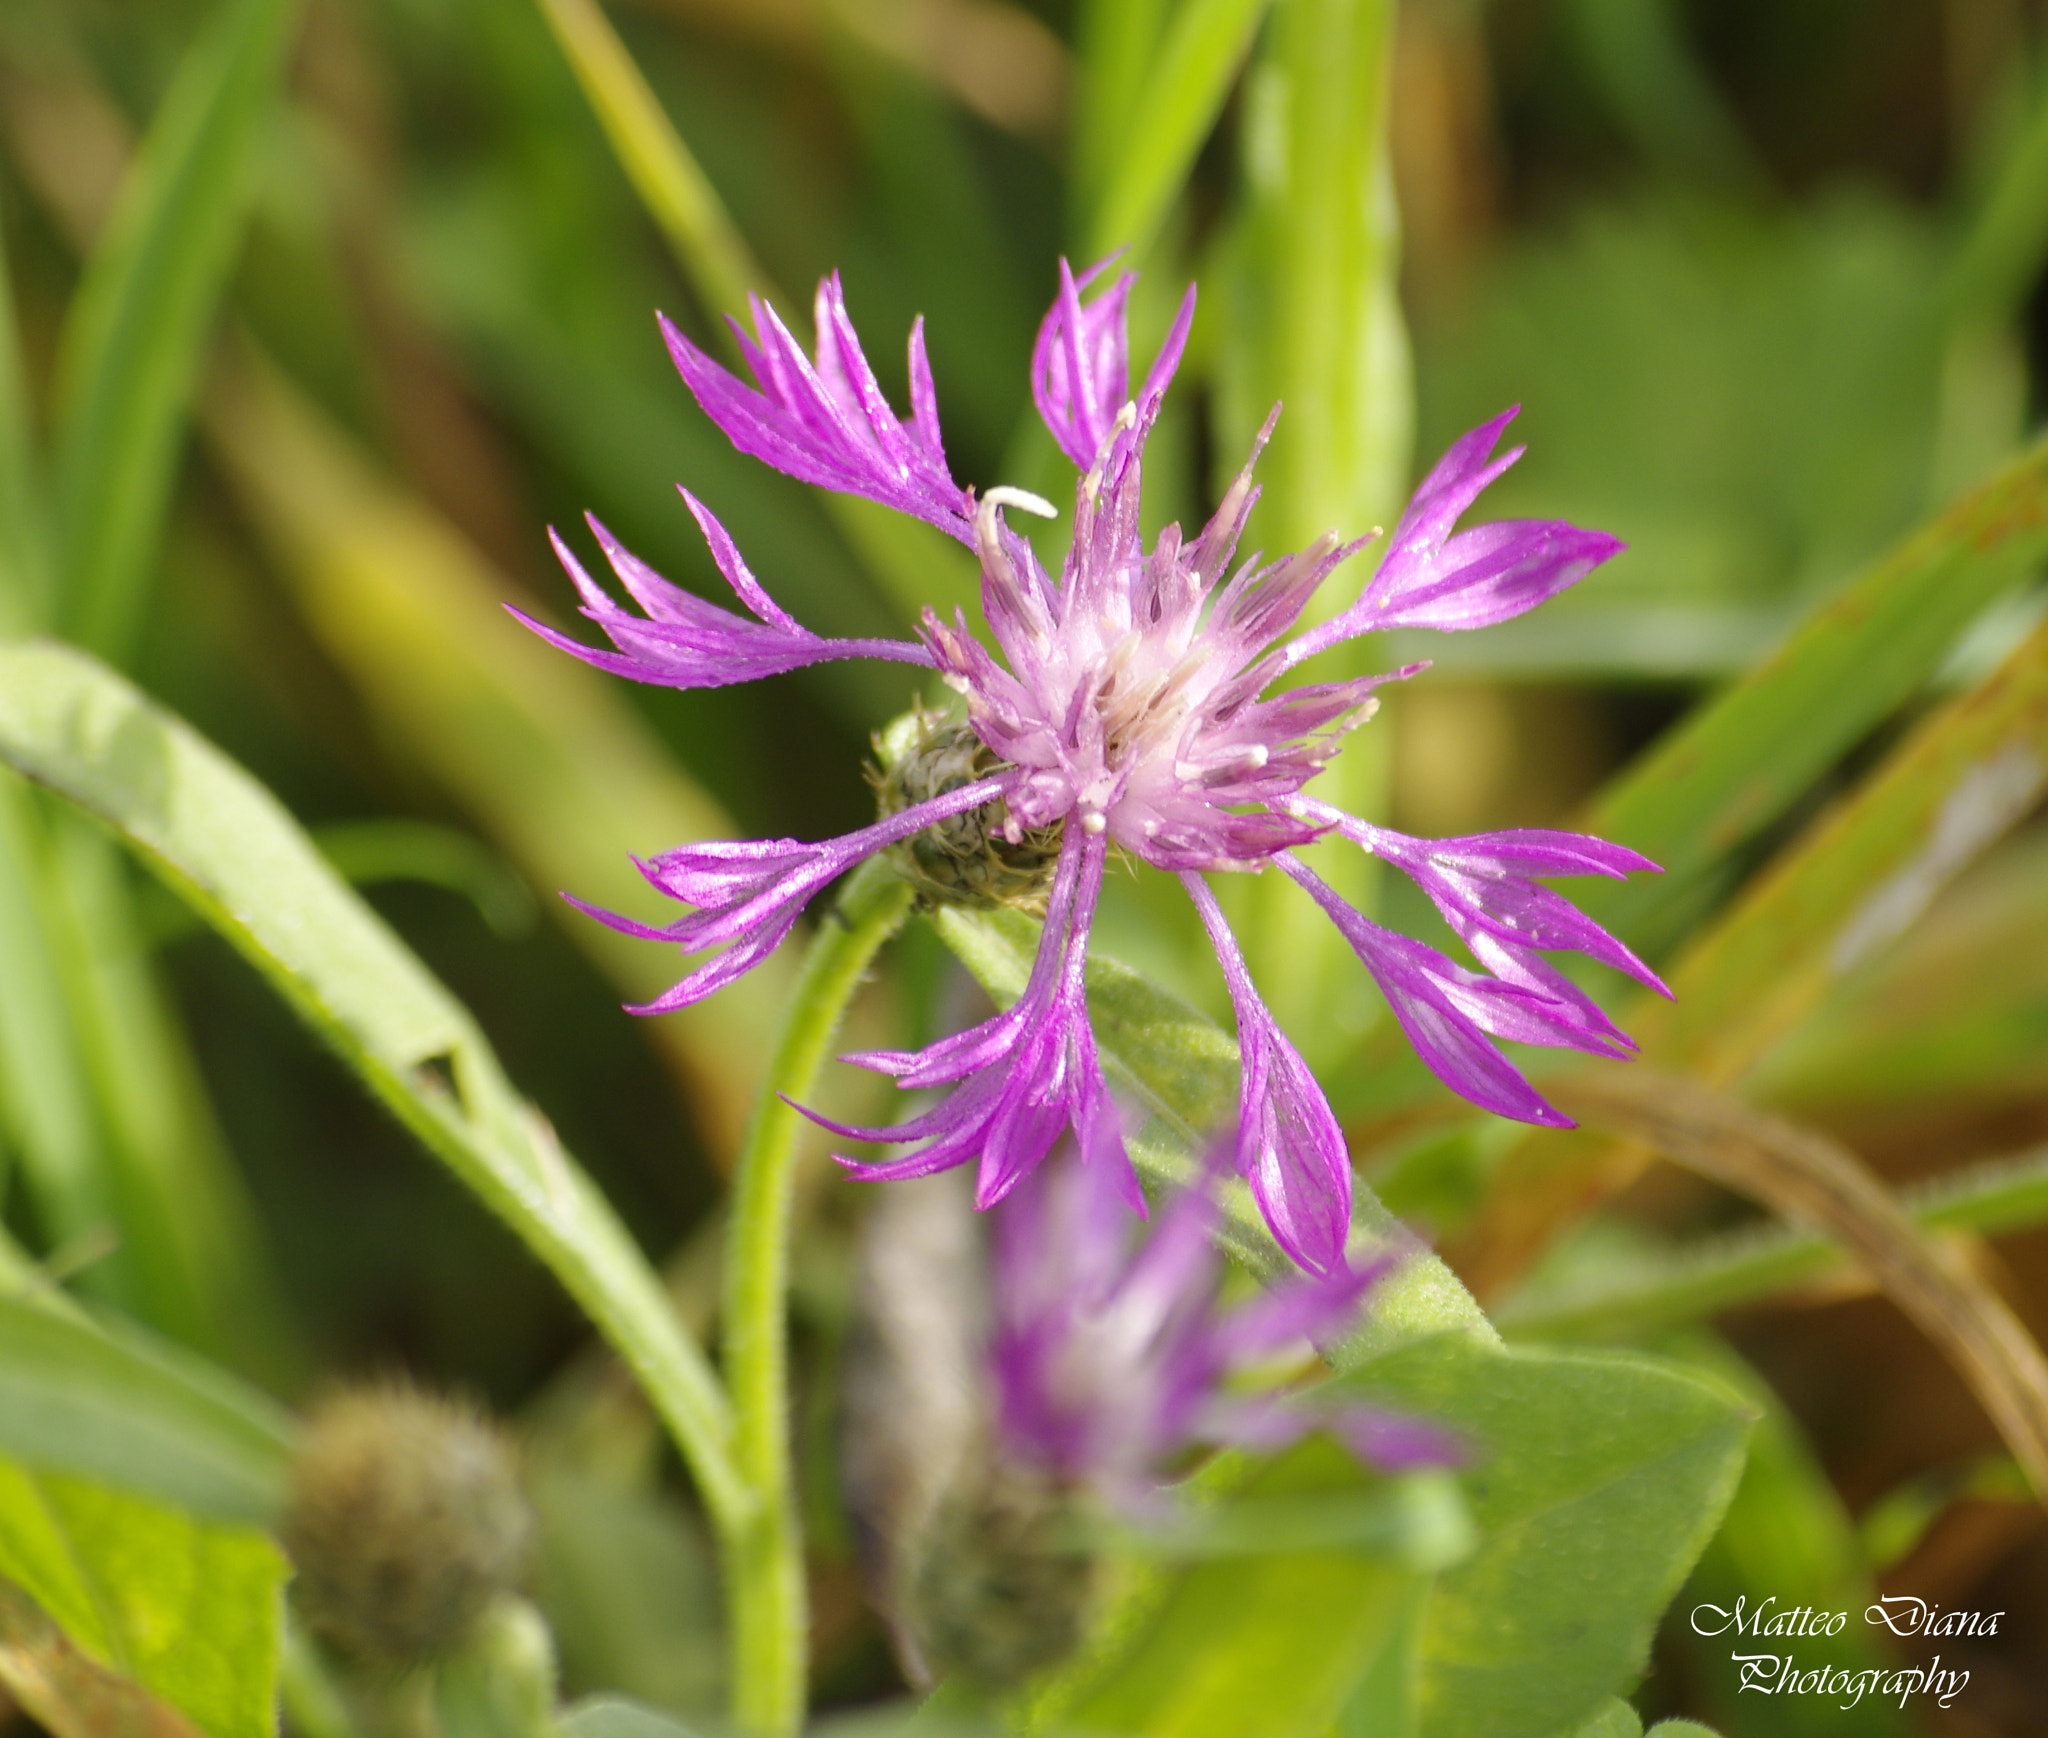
1001,1587
405,1522
966,859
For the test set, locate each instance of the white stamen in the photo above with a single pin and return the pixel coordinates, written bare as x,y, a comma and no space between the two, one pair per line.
1093,821
1022,499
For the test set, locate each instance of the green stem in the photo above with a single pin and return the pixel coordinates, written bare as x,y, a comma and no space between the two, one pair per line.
764,1552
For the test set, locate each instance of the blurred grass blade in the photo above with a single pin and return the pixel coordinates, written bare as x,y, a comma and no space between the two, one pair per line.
1738,764
1653,85
2000,256
1130,179
188,1255
552,761
223,842
714,256
1117,42
1852,884
1690,1282
366,852
1185,1069
134,339
120,1410
1311,319
24,530
46,1107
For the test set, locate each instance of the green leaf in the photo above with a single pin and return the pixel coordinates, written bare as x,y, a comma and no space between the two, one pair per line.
1184,1068
1616,1720
1595,1481
190,1611
1189,73
223,842
136,334
108,1404
616,1717
550,756
1786,1538
1274,1642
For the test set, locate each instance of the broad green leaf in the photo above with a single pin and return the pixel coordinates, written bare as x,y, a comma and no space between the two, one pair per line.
189,1611
1274,1642
1595,1481
136,334
223,842
1131,180
1734,768
1616,1720
1185,1070
553,762
110,1405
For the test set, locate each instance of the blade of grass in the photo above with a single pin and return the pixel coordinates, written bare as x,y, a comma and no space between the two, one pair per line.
1693,1281
1852,883
1116,42
1312,321
24,532
677,193
554,764
1737,765
1809,1179
135,334
46,1103
190,1258
1125,193
223,843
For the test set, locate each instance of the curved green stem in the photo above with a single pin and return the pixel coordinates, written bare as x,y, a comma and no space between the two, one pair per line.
764,1551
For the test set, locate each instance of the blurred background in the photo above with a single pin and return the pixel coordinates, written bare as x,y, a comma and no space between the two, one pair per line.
1765,277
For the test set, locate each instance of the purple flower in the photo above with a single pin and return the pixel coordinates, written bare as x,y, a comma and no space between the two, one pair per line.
1134,703
1109,1362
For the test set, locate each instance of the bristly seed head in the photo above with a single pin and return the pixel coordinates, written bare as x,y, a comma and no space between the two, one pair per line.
968,859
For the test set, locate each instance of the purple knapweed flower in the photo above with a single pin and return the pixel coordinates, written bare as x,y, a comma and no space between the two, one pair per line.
1108,1361
1136,703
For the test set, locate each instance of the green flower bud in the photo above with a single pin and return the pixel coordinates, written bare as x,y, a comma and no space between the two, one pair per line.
965,860
405,1522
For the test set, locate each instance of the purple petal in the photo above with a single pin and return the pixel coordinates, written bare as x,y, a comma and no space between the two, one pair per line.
1432,579
827,423
685,642
1289,1146
1026,1076
750,893
1447,1011
1080,363
1483,885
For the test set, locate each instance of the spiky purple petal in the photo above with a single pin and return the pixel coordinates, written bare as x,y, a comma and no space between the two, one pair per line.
1289,1147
